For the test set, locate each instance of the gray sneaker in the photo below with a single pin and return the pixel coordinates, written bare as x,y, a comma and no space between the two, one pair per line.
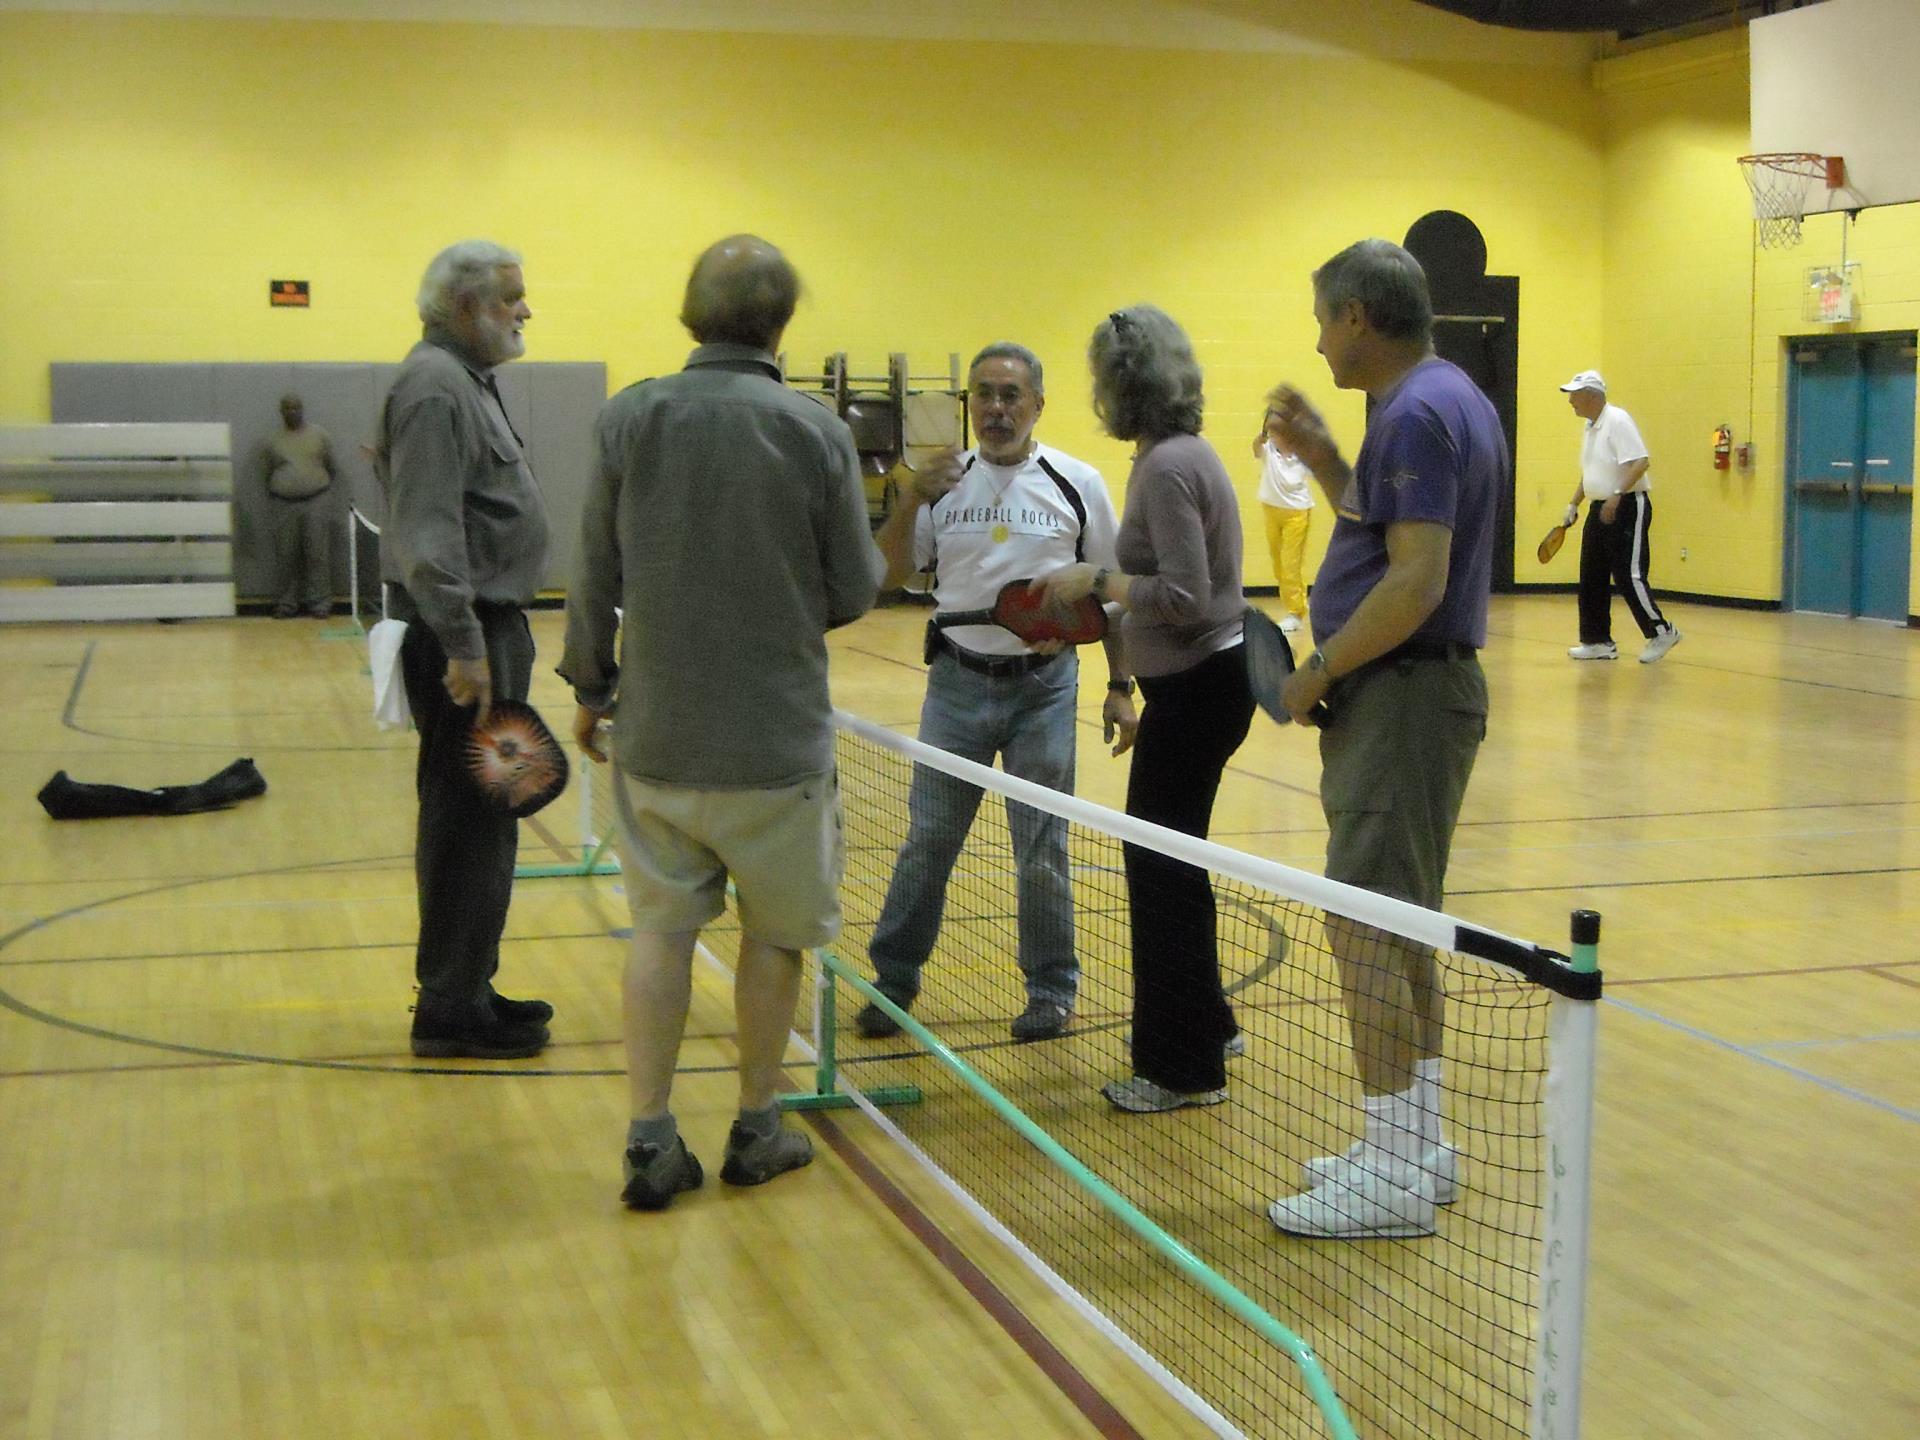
875,1023
1041,1020
655,1176
755,1159
1138,1095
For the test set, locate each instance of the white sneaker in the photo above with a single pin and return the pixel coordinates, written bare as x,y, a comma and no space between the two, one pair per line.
1605,650
1291,624
1662,641
1372,1207
1441,1164
1138,1095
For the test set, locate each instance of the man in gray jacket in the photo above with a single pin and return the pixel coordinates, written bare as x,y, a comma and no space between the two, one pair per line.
726,516
464,549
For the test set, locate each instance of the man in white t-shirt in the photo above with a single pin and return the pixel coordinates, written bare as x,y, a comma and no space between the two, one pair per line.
1009,509
1614,544
1288,499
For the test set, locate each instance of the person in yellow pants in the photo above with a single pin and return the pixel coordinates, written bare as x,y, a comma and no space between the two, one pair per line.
1288,500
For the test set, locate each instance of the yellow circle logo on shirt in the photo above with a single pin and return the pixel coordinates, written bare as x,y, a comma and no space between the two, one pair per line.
1000,533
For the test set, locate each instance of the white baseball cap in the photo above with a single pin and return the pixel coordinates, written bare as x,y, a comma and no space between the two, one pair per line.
1586,380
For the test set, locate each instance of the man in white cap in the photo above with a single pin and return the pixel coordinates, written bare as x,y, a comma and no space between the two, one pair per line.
1614,541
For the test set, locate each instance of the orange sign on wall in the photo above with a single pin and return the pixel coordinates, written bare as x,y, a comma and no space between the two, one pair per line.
288,292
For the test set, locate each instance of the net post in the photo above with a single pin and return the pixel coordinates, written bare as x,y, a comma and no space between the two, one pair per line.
1572,1031
826,1093
594,859
355,627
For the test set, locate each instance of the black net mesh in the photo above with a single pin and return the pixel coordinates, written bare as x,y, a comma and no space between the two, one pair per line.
1422,1337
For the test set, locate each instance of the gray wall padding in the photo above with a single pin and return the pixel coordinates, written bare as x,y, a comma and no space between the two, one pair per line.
551,404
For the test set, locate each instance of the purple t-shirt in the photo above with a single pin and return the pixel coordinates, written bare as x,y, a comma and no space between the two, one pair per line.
1434,451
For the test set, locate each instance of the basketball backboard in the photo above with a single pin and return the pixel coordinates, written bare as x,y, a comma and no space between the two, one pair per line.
1838,78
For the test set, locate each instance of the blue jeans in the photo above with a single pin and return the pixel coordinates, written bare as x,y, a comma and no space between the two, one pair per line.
1028,720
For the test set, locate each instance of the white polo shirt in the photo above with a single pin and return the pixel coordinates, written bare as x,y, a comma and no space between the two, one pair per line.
1284,480
1011,522
1612,440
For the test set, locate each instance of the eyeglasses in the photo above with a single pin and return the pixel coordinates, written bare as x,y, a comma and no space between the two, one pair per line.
1007,395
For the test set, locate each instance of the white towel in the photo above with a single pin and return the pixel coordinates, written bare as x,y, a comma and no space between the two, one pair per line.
390,710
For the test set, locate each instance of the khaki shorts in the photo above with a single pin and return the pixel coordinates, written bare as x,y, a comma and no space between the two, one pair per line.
1394,765
784,849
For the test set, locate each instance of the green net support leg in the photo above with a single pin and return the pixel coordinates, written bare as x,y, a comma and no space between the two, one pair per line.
826,1093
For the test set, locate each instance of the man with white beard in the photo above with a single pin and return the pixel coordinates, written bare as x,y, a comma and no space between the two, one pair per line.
463,552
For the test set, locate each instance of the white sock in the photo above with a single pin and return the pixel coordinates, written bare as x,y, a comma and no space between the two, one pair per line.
1427,1092
1393,1125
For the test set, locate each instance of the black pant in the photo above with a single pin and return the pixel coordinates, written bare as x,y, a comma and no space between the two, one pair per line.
1616,554
463,849
1191,725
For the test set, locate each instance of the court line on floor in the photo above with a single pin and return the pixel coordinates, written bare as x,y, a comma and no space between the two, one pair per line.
1583,886
1836,1040
1900,1112
1692,662
1085,1397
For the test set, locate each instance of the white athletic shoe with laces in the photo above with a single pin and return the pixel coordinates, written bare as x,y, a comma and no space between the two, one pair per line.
1662,641
1360,1204
1441,1164
1605,650
1138,1095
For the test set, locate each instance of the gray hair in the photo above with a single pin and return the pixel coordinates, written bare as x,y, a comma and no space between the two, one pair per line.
1007,350
467,270
1388,284
742,292
1146,382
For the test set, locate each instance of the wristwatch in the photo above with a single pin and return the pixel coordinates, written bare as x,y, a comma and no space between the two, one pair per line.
1124,687
1100,588
1316,661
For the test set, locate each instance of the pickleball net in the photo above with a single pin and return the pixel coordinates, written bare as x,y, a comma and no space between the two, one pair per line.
1156,1225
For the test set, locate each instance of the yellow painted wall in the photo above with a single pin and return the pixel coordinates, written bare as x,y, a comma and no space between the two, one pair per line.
1684,290
155,173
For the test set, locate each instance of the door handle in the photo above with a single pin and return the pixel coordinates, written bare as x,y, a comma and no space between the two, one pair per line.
1824,487
1886,489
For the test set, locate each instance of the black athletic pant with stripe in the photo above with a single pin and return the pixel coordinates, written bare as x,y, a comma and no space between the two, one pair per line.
1613,555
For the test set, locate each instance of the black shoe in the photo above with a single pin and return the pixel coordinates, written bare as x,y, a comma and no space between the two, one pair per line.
520,1012
654,1176
875,1023
1041,1020
488,1038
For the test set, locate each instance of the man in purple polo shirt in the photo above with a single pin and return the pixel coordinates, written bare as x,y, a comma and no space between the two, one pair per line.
1399,613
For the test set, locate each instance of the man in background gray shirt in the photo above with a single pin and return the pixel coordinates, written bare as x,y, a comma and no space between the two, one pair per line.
726,516
463,550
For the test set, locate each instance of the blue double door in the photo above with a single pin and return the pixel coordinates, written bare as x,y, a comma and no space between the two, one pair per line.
1850,413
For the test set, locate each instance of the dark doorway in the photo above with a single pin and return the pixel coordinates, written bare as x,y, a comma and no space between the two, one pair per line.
1476,325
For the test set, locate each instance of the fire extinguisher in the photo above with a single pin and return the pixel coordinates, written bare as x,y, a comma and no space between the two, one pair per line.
1723,447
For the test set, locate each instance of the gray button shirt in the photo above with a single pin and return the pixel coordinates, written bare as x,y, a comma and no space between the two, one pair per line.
466,522
726,515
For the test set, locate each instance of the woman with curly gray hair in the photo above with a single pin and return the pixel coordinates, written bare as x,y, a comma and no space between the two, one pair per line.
1179,583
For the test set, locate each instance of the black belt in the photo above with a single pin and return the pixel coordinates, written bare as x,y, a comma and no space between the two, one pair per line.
1423,650
998,666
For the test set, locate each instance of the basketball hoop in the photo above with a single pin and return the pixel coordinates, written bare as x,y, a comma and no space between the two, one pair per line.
1780,183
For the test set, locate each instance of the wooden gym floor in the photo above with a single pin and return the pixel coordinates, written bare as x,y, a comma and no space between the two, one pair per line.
234,1206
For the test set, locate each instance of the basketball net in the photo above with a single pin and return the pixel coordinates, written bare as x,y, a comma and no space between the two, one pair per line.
1780,183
